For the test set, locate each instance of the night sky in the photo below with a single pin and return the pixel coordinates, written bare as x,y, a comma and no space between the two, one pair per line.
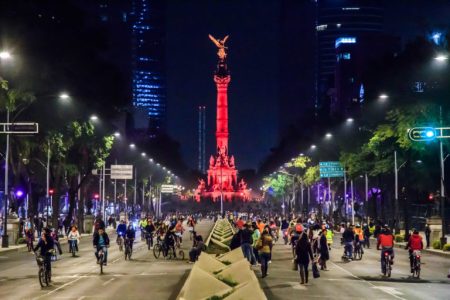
258,30
252,60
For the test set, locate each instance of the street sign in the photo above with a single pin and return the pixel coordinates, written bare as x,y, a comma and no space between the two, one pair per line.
330,169
167,188
121,171
19,128
423,134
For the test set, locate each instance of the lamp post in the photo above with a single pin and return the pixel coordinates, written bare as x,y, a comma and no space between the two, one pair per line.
396,206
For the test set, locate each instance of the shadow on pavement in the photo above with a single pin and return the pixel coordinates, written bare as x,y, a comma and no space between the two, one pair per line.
177,288
401,279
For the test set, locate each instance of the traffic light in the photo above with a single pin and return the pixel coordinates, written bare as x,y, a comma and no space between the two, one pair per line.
422,133
96,196
431,197
50,192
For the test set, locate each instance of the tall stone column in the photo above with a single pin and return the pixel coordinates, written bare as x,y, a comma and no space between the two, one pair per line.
222,113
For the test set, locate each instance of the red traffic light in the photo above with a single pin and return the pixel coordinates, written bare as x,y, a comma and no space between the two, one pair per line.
51,191
430,197
96,196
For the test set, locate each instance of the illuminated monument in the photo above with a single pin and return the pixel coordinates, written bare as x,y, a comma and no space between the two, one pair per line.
222,174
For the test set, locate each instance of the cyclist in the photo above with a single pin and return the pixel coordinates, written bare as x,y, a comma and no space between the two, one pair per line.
359,237
386,241
130,235
101,241
149,229
74,238
179,231
367,234
348,237
29,235
414,243
55,237
46,244
121,229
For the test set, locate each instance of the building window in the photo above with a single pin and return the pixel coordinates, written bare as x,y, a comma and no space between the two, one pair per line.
344,40
321,27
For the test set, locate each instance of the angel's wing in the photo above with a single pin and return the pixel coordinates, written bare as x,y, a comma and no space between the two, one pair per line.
214,41
225,39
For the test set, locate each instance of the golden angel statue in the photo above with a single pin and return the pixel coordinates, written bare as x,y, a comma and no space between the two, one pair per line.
220,45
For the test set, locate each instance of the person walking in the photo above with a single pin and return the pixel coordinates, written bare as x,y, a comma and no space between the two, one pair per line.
246,240
323,250
264,245
427,234
256,235
303,254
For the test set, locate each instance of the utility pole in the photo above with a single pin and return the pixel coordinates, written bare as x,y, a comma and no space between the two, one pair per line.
5,242
367,196
345,195
442,161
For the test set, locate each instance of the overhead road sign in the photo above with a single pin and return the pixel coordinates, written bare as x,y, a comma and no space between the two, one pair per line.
19,128
330,169
423,134
167,188
121,171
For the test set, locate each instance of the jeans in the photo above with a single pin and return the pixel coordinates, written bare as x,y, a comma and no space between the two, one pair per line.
72,244
105,253
256,254
264,263
194,254
48,263
303,270
384,250
348,249
247,250
367,241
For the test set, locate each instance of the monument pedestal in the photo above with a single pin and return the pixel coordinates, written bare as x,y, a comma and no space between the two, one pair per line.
88,223
435,223
12,229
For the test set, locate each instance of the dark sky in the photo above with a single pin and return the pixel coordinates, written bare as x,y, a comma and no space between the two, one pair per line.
252,60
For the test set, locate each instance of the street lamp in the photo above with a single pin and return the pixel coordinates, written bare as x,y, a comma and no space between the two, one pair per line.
5,55
93,118
313,146
143,154
349,120
117,134
441,58
383,97
328,135
64,96
132,146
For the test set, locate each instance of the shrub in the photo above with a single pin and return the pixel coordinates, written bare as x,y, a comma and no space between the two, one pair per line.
399,238
228,280
21,240
446,247
437,244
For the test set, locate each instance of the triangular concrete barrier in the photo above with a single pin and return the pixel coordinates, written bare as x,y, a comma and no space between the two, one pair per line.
232,256
238,271
208,263
247,291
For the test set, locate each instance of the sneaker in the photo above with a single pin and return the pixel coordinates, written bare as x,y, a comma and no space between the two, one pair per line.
269,261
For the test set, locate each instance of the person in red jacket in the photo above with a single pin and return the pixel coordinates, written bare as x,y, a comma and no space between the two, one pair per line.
415,243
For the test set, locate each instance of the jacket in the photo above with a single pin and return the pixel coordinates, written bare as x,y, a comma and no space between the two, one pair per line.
73,235
255,237
45,247
97,237
359,233
348,236
122,228
385,240
246,236
303,252
266,242
329,236
130,233
415,242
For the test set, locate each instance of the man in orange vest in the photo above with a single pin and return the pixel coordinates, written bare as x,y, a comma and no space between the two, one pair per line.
415,243
359,237
386,241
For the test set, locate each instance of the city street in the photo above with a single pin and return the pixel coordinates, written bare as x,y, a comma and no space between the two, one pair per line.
143,277
357,279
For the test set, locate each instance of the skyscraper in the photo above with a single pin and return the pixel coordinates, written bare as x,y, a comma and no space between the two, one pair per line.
148,64
340,22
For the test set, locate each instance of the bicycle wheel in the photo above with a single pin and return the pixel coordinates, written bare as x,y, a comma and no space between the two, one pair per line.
181,254
126,252
48,277
388,267
360,254
416,269
42,277
100,257
148,244
157,251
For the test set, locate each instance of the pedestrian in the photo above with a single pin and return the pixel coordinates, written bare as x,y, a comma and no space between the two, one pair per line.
329,234
427,234
197,248
323,250
367,234
256,235
246,240
264,245
303,254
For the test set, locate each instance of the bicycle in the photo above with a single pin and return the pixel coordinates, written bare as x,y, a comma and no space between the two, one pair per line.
72,247
157,248
387,266
347,249
149,240
43,275
101,256
119,242
128,249
357,253
29,244
416,263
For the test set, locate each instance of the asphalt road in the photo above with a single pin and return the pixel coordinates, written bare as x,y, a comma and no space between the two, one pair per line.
357,279
144,277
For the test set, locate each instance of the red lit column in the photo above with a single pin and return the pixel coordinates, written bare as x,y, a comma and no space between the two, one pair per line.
222,113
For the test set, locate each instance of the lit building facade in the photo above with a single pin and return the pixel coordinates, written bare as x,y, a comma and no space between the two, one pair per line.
340,23
148,65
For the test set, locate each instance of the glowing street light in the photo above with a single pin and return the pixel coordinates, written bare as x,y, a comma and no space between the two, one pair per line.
93,118
5,55
143,154
441,58
116,134
328,135
132,146
313,146
350,120
383,97
64,96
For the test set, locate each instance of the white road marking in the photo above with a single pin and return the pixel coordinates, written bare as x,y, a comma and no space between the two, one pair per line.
390,290
368,282
57,289
297,285
108,282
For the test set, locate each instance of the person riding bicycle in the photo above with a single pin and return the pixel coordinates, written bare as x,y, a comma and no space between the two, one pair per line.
121,229
359,237
101,242
179,231
46,245
415,243
169,241
367,234
130,235
29,235
386,241
54,234
149,229
348,237
74,238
